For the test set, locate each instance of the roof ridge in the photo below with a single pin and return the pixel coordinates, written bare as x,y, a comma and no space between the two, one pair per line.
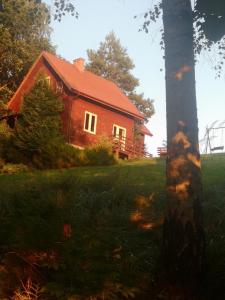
87,71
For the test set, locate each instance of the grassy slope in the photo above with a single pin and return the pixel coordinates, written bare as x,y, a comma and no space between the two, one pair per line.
213,171
119,209
141,172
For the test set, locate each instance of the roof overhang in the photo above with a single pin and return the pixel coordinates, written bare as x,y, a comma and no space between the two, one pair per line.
139,117
144,130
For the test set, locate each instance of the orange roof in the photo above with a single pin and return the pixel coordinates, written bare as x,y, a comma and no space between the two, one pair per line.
92,86
145,130
84,83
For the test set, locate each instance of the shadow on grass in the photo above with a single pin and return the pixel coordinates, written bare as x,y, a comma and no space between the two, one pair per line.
74,232
97,231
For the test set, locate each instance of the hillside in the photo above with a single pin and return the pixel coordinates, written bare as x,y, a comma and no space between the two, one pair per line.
103,225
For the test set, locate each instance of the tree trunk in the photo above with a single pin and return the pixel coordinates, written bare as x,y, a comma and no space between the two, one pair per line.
183,240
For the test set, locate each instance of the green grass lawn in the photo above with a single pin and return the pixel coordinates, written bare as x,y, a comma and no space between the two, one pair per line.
97,230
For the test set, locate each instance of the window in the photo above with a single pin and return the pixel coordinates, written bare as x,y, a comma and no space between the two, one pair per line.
59,87
119,134
48,80
90,122
45,78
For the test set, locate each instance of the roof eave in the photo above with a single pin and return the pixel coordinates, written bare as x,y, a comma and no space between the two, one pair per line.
147,132
106,104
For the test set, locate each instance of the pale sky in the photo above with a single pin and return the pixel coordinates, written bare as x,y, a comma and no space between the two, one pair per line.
97,18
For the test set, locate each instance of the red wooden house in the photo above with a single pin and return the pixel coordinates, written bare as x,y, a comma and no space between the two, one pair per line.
94,107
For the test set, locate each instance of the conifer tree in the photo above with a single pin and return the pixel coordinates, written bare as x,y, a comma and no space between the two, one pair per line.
112,62
39,124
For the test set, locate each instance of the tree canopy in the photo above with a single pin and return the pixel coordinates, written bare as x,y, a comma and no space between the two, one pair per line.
61,7
24,33
210,16
112,62
208,23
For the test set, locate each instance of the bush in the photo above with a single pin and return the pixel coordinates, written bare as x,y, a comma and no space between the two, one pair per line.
100,153
8,152
52,156
5,136
57,155
2,163
61,155
13,168
67,156
11,154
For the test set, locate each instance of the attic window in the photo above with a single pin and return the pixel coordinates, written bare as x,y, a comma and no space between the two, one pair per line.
59,87
48,80
90,122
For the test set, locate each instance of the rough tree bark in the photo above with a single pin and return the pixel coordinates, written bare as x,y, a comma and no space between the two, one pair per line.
183,240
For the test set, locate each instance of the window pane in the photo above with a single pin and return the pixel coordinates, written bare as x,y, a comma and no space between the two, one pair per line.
93,124
48,80
59,87
114,130
87,121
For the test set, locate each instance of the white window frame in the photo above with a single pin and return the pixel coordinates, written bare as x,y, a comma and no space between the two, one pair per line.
89,124
117,137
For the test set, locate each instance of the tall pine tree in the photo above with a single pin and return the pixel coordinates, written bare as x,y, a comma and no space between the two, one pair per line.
112,62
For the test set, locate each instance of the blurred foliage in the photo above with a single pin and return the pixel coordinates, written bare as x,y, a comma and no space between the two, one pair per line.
209,27
24,33
210,16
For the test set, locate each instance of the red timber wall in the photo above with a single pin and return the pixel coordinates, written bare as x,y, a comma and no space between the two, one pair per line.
106,118
75,107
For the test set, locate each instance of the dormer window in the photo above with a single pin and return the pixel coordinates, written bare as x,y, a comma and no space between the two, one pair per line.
90,122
